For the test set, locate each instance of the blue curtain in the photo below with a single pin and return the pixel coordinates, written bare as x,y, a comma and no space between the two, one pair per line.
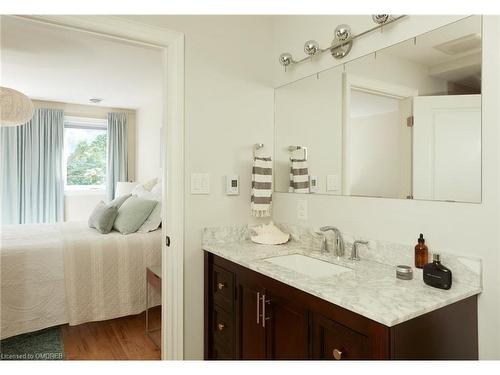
117,152
31,169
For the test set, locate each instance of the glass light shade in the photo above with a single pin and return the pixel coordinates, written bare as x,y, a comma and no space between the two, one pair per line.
15,107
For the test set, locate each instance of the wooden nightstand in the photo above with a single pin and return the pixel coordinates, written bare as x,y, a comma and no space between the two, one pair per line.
153,279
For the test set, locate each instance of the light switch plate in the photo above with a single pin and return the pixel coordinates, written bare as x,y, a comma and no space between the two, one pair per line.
233,184
332,182
302,209
200,183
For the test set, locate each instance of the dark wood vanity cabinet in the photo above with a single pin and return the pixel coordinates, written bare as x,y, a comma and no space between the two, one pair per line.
251,316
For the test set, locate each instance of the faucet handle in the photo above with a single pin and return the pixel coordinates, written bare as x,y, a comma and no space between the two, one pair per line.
354,251
323,248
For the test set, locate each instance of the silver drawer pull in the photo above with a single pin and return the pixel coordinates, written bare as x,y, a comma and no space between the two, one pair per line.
258,306
264,317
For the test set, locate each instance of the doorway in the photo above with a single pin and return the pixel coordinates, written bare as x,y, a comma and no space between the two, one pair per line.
171,43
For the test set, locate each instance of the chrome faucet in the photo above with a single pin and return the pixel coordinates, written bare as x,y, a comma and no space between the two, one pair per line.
339,240
354,251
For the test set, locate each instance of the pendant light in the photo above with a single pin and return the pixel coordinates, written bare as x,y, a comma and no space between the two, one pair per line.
15,107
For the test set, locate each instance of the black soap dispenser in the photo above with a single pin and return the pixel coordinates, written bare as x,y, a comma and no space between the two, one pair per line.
437,275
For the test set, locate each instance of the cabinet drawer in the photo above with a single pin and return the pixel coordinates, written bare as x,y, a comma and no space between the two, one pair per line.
223,330
223,288
334,341
221,354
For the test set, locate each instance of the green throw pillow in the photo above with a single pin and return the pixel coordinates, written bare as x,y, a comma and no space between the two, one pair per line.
132,214
103,217
118,201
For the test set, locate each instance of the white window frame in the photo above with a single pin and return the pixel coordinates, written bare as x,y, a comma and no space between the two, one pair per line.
75,122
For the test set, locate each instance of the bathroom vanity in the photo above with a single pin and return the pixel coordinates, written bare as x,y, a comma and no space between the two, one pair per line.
259,309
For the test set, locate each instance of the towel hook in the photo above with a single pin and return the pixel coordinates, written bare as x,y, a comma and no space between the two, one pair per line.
256,147
295,148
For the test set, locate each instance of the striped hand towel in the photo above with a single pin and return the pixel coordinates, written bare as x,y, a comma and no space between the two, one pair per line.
299,176
262,191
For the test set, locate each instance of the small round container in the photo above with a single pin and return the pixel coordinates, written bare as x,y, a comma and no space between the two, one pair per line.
404,272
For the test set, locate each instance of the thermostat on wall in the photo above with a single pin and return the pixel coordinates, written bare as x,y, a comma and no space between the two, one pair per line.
232,185
313,184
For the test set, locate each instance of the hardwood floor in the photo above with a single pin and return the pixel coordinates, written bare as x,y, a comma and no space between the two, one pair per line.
121,338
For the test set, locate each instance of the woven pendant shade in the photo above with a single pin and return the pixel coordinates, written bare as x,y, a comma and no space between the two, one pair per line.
15,107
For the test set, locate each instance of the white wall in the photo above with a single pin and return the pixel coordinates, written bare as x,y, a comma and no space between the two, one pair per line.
471,229
79,205
304,110
228,108
149,122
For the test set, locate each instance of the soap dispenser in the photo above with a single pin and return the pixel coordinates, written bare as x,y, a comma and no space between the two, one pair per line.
421,253
437,275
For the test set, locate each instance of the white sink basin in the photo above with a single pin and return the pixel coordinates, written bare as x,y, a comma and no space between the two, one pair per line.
307,266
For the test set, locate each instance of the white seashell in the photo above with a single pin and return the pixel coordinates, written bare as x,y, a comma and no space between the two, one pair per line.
269,235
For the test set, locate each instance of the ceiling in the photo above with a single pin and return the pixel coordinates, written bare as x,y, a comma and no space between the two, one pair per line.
50,63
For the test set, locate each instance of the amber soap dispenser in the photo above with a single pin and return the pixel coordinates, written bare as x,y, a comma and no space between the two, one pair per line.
421,253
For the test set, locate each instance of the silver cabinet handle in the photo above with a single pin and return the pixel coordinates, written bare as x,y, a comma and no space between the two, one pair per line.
264,318
258,307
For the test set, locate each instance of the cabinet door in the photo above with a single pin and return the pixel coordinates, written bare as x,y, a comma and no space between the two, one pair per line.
252,336
287,328
332,340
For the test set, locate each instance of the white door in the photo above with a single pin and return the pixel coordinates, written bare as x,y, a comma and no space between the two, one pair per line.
447,148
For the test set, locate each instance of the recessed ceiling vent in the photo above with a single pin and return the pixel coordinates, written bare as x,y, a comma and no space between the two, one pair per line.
468,43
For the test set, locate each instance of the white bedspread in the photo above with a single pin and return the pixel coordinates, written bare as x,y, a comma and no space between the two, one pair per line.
68,273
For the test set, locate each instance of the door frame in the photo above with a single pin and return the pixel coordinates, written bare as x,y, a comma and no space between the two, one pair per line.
354,82
171,43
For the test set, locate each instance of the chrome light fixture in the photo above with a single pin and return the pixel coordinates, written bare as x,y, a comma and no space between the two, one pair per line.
341,44
311,47
342,32
15,107
286,59
342,41
381,19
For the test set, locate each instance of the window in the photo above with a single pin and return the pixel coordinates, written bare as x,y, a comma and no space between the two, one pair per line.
85,153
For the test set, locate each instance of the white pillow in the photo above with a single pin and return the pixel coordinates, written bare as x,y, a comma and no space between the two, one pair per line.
140,191
157,189
154,219
148,185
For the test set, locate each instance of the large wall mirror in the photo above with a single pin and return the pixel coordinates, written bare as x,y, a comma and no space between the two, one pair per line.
404,122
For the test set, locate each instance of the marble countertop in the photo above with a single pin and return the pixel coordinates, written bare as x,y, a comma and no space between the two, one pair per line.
371,289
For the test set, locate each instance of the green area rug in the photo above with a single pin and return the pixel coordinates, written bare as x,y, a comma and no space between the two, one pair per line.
46,344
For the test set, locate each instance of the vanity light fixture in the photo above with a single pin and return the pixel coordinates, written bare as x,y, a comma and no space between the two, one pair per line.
341,44
382,19
286,59
311,47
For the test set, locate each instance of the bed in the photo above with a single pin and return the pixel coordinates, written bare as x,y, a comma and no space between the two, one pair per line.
53,274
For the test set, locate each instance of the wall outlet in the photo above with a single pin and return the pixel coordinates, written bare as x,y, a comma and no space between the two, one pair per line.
302,209
332,182
200,183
